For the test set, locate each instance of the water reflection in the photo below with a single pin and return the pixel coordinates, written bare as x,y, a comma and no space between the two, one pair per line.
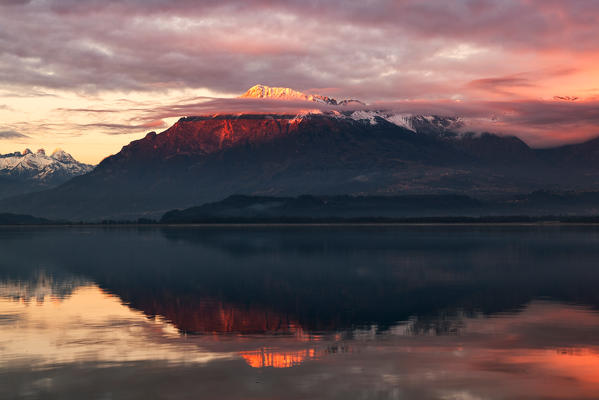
89,324
40,287
447,313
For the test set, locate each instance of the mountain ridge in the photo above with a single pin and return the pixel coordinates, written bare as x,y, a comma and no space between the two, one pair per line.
27,171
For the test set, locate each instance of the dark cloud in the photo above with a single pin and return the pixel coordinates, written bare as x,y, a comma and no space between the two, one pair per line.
12,135
116,129
565,98
99,110
14,2
499,84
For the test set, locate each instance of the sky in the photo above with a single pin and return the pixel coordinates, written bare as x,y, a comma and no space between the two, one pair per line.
89,76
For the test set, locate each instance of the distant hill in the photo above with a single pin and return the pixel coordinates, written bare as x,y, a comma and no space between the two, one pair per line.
432,207
265,207
17,219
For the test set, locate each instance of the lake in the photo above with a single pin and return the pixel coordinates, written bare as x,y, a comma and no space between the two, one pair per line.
300,312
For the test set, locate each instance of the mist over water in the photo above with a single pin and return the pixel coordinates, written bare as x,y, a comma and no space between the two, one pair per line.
427,312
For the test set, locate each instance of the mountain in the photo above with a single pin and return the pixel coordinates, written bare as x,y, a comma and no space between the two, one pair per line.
341,151
28,171
283,93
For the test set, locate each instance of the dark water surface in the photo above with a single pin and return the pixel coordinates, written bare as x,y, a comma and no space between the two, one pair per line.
339,312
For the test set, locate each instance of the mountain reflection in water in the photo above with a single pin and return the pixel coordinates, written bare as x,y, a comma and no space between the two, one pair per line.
300,312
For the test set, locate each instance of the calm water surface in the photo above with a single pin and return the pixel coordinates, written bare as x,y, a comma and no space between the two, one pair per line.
422,312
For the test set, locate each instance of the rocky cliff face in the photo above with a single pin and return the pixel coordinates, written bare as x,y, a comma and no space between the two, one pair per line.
195,136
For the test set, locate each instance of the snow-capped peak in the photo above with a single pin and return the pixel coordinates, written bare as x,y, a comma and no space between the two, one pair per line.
41,167
285,93
63,156
278,93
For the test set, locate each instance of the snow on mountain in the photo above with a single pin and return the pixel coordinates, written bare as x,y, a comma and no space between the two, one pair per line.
284,93
415,123
404,121
411,122
277,93
40,167
63,156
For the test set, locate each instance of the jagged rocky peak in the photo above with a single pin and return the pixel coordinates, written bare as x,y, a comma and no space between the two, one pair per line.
61,155
284,93
58,155
60,165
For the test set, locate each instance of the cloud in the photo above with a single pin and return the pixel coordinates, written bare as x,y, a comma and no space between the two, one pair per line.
540,123
14,2
115,129
376,49
501,84
565,98
12,135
